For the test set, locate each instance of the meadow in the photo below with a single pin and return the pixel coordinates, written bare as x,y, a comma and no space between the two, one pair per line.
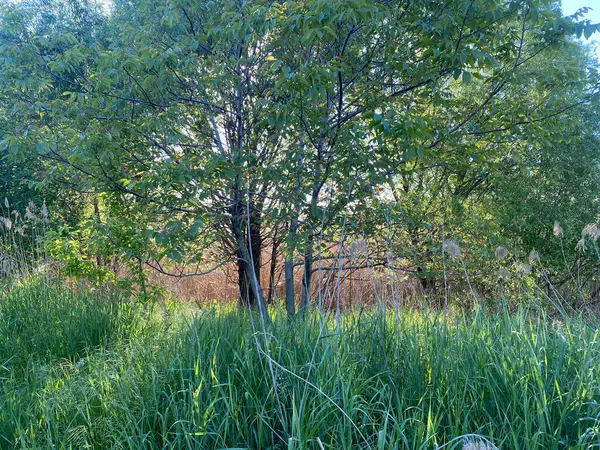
301,224
90,368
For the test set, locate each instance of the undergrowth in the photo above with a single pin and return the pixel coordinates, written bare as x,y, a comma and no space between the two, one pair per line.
87,369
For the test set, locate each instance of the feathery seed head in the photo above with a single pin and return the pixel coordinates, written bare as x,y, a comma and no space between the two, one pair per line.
580,245
501,252
4,265
523,268
558,231
44,211
476,445
533,257
504,274
7,222
29,212
356,250
591,230
452,249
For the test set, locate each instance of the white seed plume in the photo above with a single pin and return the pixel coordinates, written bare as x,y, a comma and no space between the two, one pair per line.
452,249
5,265
558,231
6,202
356,250
44,212
591,230
504,274
7,222
29,214
533,257
580,245
523,268
476,445
501,253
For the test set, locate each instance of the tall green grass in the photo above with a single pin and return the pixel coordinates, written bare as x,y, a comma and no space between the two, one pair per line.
213,379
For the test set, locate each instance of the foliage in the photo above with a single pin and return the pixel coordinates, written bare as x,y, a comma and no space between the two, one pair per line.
208,128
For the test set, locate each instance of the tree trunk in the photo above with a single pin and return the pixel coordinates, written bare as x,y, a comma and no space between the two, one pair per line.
247,298
245,219
246,246
318,182
306,279
255,246
99,260
273,267
249,260
288,265
250,290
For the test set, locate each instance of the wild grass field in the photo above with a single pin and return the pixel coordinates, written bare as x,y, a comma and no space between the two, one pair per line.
83,368
299,224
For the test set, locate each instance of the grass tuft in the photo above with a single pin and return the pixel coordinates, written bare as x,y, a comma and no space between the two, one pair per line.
88,371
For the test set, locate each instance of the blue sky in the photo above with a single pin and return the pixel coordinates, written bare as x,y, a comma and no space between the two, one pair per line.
570,6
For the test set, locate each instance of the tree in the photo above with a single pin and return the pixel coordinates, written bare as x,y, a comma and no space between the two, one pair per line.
213,124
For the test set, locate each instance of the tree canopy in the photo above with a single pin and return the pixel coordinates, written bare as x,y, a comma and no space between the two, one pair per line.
200,131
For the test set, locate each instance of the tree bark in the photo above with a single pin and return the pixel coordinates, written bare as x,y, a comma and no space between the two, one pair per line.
273,267
307,277
318,182
99,260
245,219
288,267
249,285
